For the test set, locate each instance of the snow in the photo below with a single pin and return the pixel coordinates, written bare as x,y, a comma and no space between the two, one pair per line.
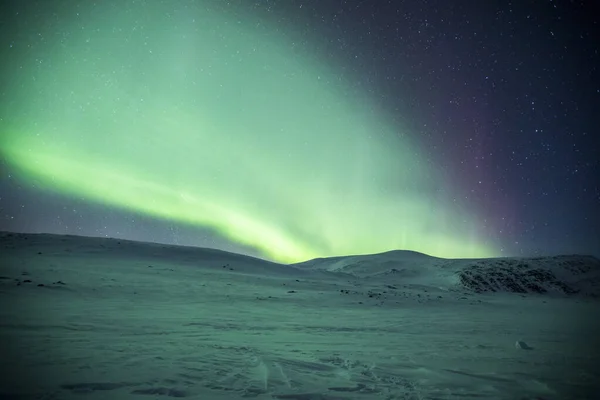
124,320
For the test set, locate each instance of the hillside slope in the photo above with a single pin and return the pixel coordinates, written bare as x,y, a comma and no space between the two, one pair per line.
561,275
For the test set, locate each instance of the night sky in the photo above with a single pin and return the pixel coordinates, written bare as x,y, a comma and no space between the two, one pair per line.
294,129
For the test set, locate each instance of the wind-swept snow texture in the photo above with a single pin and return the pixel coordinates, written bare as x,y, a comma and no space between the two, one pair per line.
89,318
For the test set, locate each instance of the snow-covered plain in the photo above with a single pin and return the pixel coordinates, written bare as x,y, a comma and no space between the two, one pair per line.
124,320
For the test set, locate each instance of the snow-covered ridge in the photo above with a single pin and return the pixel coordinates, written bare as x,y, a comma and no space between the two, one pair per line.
50,245
555,275
564,275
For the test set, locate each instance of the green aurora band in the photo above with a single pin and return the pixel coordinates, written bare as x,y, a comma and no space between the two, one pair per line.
192,115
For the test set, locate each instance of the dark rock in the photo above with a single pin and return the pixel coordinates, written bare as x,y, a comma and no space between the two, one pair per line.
522,345
535,275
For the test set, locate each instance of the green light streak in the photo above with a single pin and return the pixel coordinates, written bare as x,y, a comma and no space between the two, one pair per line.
196,118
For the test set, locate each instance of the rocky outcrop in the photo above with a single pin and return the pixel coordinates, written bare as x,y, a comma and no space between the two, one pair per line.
567,275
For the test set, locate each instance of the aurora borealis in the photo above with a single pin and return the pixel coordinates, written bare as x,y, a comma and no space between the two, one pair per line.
203,115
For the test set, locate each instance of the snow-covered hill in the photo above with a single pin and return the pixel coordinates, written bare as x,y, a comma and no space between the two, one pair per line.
565,275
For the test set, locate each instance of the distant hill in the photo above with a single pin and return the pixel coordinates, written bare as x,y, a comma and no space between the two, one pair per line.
24,245
568,275
404,261
562,275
